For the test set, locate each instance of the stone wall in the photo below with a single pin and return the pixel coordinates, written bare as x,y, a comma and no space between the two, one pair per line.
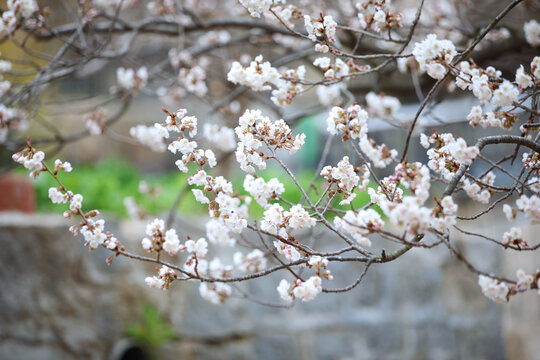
60,302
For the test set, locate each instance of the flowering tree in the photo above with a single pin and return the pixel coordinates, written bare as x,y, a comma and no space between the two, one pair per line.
343,59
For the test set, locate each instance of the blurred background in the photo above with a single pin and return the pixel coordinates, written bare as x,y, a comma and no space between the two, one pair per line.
60,302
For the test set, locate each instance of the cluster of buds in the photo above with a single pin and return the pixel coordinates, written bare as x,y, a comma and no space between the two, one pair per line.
514,238
503,119
158,239
31,159
377,15
532,161
334,71
320,265
323,28
345,175
165,277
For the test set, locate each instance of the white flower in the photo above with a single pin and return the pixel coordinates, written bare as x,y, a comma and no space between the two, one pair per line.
253,262
330,95
149,136
289,251
216,292
183,145
57,197
218,233
193,80
221,137
155,228
493,289
256,7
284,290
309,289
299,218
198,179
172,243
130,80
532,32
524,280
146,244
360,224
199,247
505,94
66,166
199,196
76,203
523,79
512,236
432,53
508,212
382,106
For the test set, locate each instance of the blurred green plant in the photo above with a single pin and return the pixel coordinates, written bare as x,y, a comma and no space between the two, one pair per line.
105,185
152,332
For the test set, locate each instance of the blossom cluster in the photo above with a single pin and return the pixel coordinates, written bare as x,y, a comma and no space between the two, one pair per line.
179,122
448,153
488,85
480,191
254,261
150,136
261,76
514,238
226,207
360,224
351,123
345,175
304,290
433,55
16,9
95,121
254,130
10,118
381,105
131,80
256,7
221,137
276,219
504,120
494,289
500,292
193,80
377,15
334,71
163,280
532,32
322,28
261,190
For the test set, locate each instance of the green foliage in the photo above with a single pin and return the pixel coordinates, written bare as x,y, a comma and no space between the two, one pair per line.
153,331
105,185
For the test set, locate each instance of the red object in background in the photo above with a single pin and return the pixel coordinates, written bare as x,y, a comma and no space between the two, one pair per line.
16,194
